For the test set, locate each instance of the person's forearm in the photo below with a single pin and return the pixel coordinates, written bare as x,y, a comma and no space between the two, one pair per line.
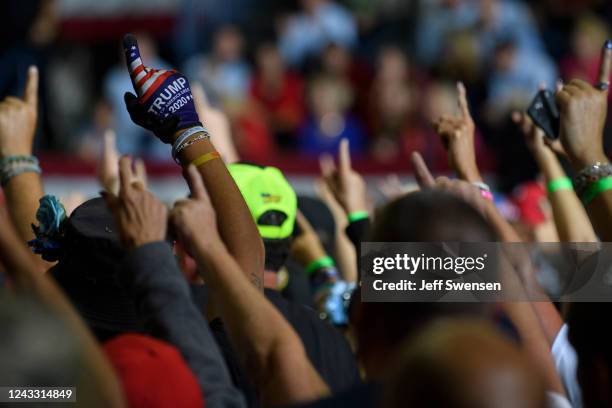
549,318
571,219
235,222
357,231
534,342
469,173
523,315
346,256
162,294
264,341
22,193
27,280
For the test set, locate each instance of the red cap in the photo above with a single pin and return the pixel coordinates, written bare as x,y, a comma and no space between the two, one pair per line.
153,373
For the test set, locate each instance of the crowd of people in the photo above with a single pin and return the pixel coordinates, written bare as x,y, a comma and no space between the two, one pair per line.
300,76
246,293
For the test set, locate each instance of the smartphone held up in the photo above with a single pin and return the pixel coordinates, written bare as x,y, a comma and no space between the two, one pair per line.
544,111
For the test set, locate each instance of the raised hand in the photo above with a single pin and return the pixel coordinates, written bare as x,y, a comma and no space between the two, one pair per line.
534,136
347,185
18,119
457,133
140,217
164,104
194,219
460,188
583,110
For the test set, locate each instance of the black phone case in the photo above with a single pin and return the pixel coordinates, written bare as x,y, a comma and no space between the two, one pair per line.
545,113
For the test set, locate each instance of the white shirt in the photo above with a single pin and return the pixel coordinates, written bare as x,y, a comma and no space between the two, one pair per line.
566,363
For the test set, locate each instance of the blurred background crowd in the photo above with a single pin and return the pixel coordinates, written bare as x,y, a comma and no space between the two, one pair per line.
294,77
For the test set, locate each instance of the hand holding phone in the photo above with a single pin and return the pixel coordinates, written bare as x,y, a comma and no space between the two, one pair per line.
544,112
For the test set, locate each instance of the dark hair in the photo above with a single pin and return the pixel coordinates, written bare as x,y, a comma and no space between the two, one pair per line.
424,216
431,216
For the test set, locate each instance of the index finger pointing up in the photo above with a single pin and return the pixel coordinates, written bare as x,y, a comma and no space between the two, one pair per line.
463,104
125,174
605,66
133,60
421,171
30,95
344,159
196,185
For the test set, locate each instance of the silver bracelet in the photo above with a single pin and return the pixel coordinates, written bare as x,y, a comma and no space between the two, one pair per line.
184,136
591,174
199,137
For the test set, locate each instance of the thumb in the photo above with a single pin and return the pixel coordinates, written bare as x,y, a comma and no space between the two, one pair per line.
30,95
196,184
130,99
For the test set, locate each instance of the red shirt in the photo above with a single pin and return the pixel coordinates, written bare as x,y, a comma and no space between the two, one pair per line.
286,106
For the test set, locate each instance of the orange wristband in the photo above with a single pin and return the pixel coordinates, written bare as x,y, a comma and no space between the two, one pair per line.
205,158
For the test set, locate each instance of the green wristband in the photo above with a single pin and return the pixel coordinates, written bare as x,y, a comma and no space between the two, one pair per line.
323,262
596,188
562,183
358,216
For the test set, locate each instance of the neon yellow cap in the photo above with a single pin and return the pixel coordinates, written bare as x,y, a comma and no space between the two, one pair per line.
269,196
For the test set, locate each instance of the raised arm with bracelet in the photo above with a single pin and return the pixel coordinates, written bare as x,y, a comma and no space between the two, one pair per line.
165,106
583,109
263,340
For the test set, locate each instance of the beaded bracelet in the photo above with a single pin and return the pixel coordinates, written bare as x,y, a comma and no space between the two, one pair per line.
15,168
184,136
199,137
17,159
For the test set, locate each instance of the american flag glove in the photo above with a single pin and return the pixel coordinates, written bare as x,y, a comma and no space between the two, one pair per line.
164,104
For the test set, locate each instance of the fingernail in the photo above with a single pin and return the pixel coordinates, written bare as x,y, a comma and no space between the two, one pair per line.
608,44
